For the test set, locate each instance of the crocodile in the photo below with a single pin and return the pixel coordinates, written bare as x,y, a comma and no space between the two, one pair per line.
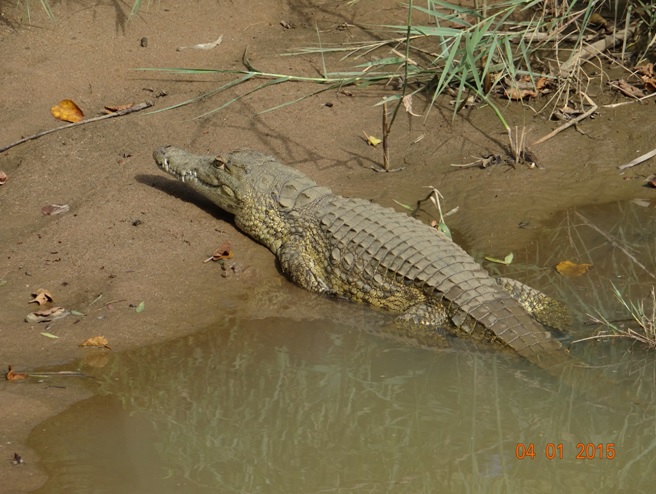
357,250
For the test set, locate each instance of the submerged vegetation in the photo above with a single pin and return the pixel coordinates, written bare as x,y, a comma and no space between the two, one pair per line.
614,241
641,327
236,405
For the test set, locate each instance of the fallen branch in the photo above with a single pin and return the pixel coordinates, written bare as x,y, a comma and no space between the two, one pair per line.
638,160
119,113
574,121
639,100
593,50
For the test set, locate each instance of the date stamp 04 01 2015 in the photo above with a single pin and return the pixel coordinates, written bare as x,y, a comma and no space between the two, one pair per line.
552,451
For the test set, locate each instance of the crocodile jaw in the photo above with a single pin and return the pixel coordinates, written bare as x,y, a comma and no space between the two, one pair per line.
205,174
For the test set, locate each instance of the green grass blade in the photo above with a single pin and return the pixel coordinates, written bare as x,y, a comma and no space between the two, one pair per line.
383,61
453,18
447,73
457,9
46,7
135,8
425,30
237,98
288,103
208,93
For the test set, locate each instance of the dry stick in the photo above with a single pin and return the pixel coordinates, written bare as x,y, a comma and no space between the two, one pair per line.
386,131
593,50
614,242
638,160
638,100
583,116
387,127
118,113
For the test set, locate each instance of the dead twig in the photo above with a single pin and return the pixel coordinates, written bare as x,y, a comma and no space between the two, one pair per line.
386,131
638,160
574,121
593,50
639,100
120,113
387,127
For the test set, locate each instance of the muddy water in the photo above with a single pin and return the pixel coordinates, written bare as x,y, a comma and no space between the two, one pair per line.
281,406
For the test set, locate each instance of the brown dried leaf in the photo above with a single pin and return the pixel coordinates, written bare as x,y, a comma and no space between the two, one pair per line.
649,82
3,178
115,108
54,209
645,70
47,315
407,104
67,111
572,270
516,94
628,89
15,376
541,83
41,297
223,252
96,341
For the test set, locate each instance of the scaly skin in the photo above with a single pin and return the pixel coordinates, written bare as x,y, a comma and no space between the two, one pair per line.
357,250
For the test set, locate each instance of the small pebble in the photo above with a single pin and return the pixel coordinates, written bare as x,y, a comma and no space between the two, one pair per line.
144,42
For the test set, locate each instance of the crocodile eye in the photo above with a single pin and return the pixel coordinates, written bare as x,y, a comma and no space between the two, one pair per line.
219,164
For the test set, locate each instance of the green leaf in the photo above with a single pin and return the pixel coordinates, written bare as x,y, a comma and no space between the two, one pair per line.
140,307
77,313
50,335
406,206
445,229
506,260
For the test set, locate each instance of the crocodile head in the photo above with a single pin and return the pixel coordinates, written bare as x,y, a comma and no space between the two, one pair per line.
241,183
209,175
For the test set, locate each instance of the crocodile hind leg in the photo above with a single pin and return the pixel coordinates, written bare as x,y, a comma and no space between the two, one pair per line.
423,324
545,309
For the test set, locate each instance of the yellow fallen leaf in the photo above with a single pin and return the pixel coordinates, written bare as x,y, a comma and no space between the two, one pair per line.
67,111
99,341
371,140
571,269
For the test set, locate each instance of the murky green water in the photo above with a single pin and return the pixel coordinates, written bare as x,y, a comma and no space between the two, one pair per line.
288,407
279,406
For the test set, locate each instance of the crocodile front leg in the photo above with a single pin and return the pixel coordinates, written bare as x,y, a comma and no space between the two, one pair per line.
300,266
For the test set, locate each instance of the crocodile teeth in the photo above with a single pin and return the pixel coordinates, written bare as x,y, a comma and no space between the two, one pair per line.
191,174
